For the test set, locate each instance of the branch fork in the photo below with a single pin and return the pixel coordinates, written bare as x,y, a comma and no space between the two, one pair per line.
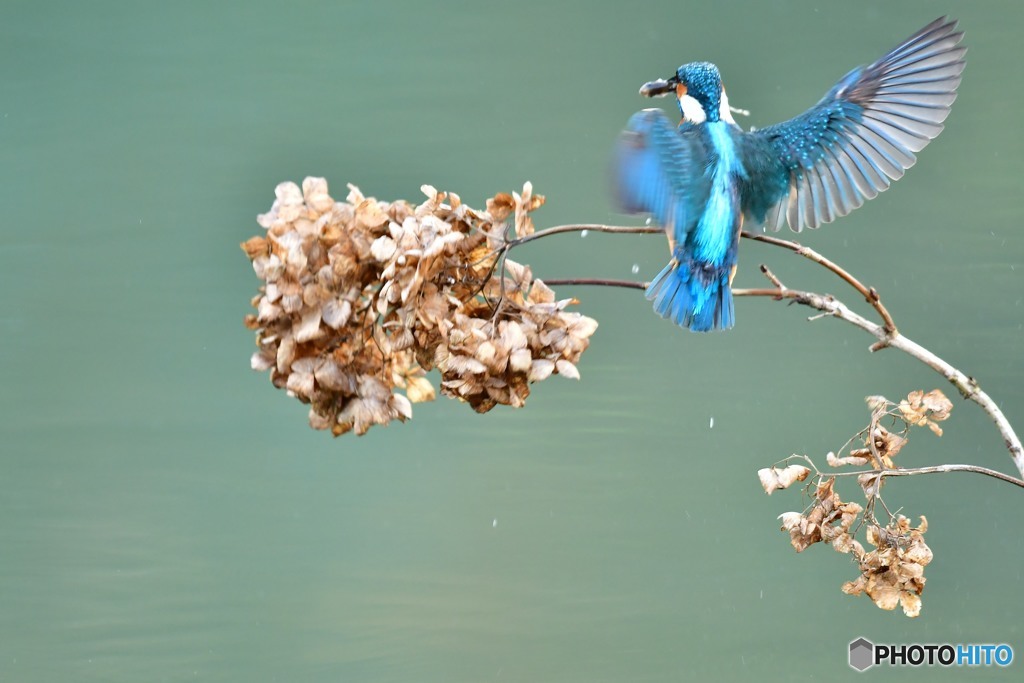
886,333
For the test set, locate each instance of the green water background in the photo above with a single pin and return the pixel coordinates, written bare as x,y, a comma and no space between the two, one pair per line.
166,515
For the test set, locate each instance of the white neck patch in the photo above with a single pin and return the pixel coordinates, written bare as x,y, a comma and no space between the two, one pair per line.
724,112
692,111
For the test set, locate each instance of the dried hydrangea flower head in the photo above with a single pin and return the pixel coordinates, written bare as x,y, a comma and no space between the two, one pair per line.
893,573
361,298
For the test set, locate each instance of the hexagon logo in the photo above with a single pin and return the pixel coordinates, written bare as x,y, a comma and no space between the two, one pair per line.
862,654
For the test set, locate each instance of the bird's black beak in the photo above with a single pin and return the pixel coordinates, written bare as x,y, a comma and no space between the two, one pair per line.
660,87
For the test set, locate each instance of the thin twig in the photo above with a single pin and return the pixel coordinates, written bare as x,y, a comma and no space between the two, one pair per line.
620,229
934,469
966,385
600,282
772,278
869,293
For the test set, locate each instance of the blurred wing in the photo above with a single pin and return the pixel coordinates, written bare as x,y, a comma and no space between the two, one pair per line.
864,132
657,170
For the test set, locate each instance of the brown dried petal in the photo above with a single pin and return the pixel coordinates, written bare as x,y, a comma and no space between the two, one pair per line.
520,360
883,589
877,402
256,246
285,354
419,390
912,410
320,421
308,328
849,512
300,381
805,535
857,461
261,360
887,443
330,376
370,214
567,369
938,404
501,206
336,313
463,365
774,478
383,248
512,334
521,275
355,195
923,409
855,587
401,406
268,268
540,293
486,353
314,191
869,483
843,543
918,553
288,193
911,603
582,327
790,520
266,311
540,369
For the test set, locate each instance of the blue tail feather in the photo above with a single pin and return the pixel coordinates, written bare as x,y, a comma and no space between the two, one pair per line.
663,290
701,306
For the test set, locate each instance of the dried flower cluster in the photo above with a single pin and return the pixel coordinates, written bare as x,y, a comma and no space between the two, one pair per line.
829,519
364,297
893,573
926,410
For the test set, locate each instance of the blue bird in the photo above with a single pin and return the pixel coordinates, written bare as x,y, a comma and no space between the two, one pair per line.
705,178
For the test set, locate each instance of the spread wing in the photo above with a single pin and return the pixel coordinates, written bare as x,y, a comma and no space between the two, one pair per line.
863,134
659,170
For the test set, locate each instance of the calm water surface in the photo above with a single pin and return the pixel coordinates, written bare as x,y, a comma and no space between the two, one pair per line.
165,515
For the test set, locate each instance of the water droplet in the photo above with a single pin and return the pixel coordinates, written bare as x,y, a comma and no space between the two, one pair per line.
635,268
583,233
711,424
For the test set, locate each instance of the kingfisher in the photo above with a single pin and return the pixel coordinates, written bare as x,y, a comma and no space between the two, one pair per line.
705,178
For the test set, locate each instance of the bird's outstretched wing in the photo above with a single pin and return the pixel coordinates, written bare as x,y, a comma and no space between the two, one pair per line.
659,170
864,132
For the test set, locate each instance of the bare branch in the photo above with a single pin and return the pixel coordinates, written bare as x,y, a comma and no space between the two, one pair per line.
600,282
934,469
620,229
869,293
886,333
772,277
